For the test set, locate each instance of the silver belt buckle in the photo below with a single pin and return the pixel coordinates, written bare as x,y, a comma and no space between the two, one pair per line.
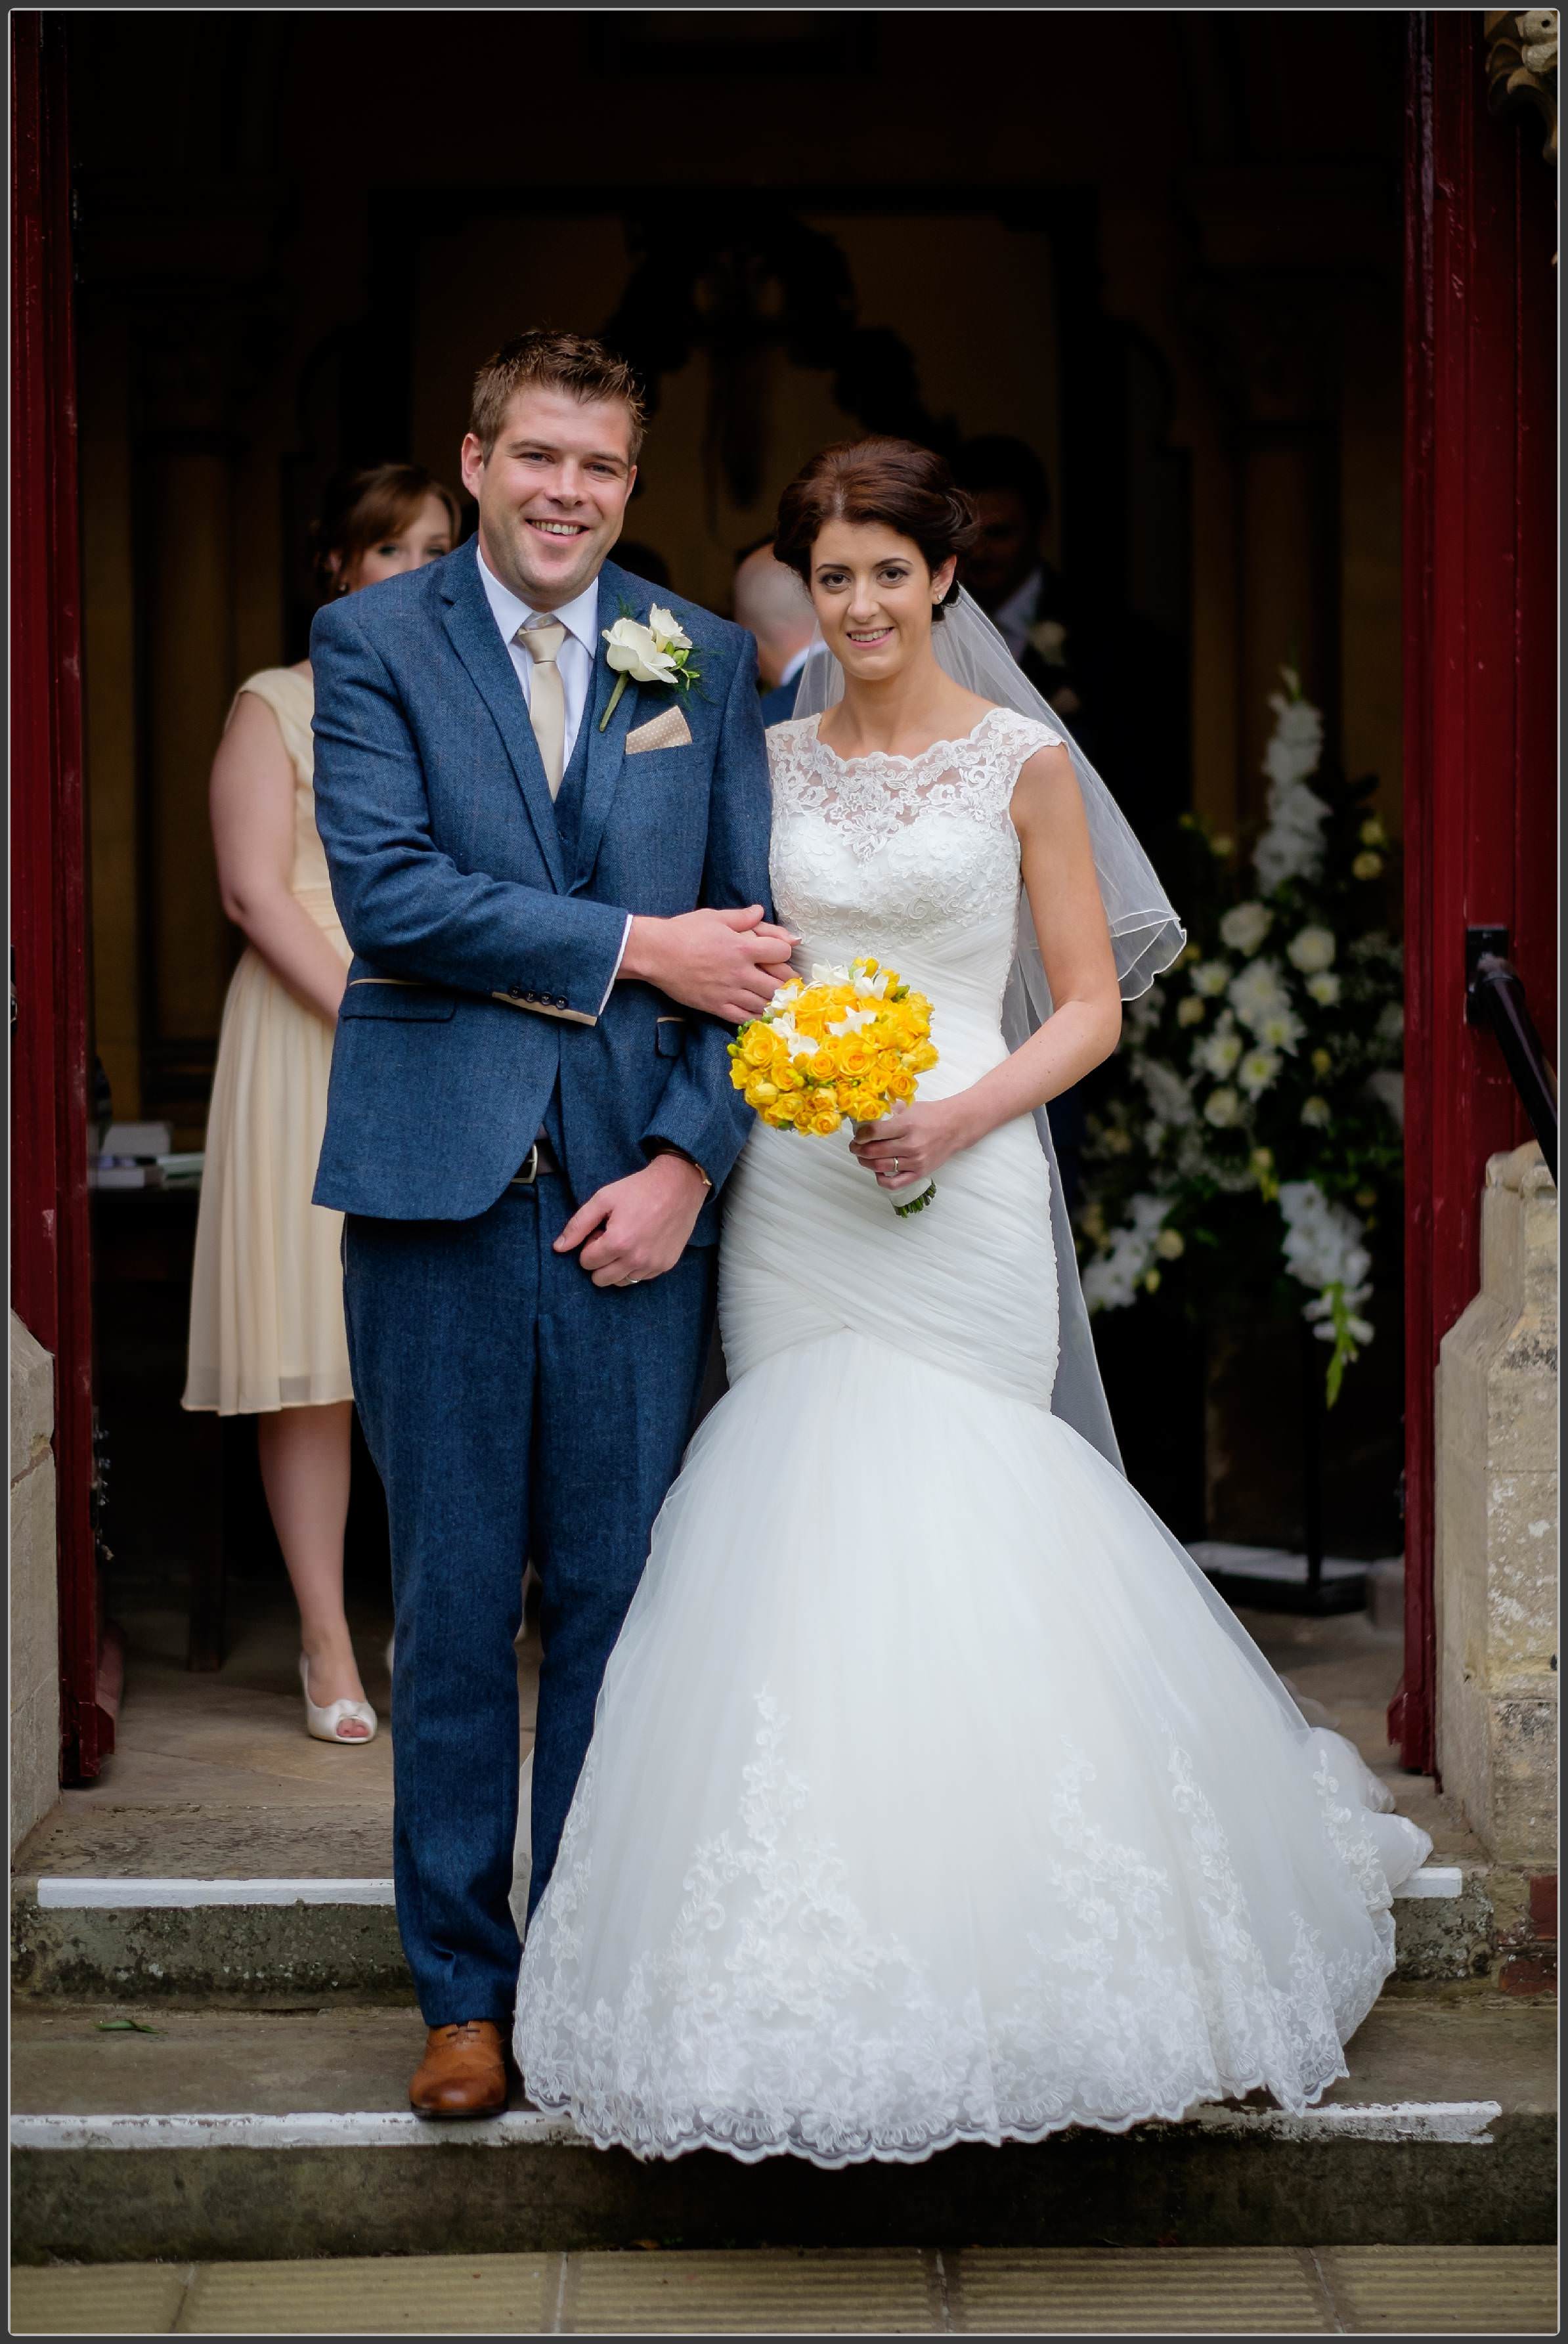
530,1172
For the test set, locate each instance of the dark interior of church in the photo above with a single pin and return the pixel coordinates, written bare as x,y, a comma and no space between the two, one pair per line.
1162,251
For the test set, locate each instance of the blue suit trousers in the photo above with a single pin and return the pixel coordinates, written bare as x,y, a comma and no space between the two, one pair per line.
515,1411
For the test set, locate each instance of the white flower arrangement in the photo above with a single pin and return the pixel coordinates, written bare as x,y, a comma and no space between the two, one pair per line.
1312,949
1291,846
1244,927
1266,1098
1219,1054
1169,1095
1323,1249
1257,1071
1259,994
1113,1280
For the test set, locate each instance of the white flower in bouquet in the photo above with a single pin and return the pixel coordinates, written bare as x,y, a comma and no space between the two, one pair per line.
1169,1094
1257,1071
1245,925
798,1044
1324,988
1190,1011
1222,1109
1170,1245
1211,977
1388,1088
1154,1136
1218,1053
1317,1113
1260,993
1390,1024
1312,949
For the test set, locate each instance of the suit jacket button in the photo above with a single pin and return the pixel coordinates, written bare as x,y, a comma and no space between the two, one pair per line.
560,1001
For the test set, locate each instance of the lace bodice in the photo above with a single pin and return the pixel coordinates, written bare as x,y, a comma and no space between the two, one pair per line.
904,855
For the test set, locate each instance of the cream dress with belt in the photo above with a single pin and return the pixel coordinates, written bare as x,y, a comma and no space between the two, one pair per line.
266,1289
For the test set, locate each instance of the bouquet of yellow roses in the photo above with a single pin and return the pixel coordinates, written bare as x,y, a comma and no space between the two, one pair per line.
852,1044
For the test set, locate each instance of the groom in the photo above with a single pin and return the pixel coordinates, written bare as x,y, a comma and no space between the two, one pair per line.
556,899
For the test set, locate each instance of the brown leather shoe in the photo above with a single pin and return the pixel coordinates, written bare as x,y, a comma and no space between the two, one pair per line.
465,2071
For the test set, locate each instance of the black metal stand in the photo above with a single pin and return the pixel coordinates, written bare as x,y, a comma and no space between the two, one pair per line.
1315,1596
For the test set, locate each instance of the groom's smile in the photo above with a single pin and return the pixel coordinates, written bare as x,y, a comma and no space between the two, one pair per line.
551,489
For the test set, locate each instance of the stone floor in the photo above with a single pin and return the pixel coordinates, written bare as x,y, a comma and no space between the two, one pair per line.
978,2291
213,1775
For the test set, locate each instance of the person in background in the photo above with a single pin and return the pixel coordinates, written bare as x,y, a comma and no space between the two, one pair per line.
266,1331
1008,575
770,601
1006,570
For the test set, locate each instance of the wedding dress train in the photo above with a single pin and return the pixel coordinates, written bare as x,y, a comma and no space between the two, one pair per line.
927,1801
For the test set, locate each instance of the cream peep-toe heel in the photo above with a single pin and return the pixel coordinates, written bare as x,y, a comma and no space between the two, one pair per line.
322,1724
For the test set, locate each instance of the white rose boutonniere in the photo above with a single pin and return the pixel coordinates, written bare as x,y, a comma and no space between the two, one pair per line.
658,652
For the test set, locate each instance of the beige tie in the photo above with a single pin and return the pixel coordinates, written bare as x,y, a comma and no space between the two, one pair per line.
547,702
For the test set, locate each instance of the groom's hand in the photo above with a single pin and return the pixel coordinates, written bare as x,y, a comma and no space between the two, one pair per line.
730,964
637,1228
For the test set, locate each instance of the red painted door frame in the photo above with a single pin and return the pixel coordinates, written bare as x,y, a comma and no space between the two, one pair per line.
1480,701
50,1265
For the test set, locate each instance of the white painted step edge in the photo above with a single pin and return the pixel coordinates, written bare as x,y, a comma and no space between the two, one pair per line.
59,1893
1455,2124
1434,1880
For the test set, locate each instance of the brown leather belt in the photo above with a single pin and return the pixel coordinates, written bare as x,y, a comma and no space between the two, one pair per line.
541,1158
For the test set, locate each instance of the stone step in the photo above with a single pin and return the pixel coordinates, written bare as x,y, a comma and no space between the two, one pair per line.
217,2135
306,1939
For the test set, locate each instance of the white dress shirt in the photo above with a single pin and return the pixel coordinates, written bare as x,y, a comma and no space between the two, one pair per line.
793,666
574,661
575,658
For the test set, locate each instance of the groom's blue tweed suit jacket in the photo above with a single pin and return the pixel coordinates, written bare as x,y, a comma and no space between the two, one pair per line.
479,994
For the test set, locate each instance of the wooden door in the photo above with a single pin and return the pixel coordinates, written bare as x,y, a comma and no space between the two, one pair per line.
1480,796
50,1269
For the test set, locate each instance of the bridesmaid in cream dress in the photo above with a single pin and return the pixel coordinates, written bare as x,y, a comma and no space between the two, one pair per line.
266,1333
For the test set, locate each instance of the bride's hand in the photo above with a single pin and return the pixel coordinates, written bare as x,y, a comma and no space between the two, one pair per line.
918,1140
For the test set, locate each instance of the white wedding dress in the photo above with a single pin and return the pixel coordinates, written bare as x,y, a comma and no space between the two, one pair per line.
926,1800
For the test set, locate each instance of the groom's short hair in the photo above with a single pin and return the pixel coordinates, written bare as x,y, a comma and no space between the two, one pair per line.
543,360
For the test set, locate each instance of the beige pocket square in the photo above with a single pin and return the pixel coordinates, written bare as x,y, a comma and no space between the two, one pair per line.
668,730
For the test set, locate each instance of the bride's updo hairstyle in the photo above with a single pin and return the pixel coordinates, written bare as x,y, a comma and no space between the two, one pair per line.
906,487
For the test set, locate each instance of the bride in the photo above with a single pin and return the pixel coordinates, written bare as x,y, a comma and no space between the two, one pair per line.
932,1796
